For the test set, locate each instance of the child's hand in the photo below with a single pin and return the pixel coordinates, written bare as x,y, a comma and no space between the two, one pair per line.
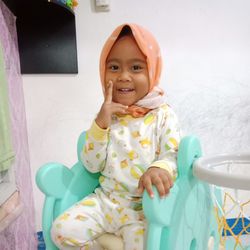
158,177
109,108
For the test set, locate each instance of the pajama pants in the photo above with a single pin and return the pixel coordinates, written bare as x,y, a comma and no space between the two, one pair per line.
101,212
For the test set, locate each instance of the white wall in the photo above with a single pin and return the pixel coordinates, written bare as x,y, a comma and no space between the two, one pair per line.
205,46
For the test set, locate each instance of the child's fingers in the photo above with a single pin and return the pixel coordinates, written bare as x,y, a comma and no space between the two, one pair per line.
140,187
166,186
167,182
148,187
109,92
159,184
121,109
170,180
118,108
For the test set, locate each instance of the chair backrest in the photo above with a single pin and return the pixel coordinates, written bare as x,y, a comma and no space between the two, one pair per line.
82,182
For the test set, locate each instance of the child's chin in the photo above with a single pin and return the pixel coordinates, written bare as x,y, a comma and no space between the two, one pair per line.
124,102
127,103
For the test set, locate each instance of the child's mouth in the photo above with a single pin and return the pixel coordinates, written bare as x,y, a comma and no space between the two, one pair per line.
125,90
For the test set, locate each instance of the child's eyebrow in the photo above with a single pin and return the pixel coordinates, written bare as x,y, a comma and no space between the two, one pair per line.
112,60
131,60
138,60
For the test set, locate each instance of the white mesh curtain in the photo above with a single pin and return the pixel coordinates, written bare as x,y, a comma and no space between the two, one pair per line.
6,151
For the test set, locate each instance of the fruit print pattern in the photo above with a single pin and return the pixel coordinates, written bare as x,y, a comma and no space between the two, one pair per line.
122,158
143,142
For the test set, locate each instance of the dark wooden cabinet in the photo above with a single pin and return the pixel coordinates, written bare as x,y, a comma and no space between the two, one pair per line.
46,36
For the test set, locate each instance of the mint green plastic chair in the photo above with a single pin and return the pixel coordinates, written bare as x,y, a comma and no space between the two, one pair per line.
182,221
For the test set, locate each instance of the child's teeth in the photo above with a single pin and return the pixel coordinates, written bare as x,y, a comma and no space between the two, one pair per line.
125,90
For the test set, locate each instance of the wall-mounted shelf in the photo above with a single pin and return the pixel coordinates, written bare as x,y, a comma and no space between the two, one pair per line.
46,36
59,2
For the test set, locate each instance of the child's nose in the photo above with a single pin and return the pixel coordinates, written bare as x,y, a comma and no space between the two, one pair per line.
124,76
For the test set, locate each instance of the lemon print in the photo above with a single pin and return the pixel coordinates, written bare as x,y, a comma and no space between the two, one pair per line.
124,219
81,217
139,232
174,142
124,163
108,218
65,244
74,242
91,146
64,216
132,155
115,201
101,179
120,209
89,203
135,173
136,134
145,142
98,155
116,187
124,122
149,119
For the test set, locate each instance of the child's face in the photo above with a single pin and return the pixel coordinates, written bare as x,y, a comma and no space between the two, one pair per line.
126,67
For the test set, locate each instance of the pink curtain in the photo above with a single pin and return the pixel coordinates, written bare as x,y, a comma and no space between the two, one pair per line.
21,234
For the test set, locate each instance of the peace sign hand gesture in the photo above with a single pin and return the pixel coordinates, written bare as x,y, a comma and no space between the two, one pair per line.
109,108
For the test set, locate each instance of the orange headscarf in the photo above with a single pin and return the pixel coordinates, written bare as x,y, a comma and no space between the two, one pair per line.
149,47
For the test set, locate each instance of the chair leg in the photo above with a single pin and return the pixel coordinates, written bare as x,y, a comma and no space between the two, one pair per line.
154,237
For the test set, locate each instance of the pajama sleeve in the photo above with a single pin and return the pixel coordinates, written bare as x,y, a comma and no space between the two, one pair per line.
94,152
168,144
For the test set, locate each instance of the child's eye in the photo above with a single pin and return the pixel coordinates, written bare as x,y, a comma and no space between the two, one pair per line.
113,67
137,67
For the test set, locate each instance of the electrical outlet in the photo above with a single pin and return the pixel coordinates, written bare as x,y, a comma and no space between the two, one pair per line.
102,5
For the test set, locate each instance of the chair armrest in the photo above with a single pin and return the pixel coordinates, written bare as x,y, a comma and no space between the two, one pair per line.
159,210
53,179
189,150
